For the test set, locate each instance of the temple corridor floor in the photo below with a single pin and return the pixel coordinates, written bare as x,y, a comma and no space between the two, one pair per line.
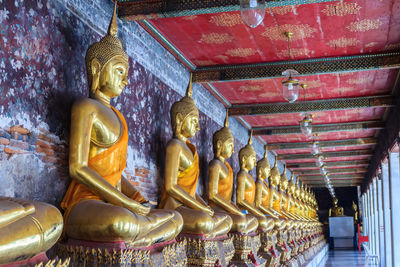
347,258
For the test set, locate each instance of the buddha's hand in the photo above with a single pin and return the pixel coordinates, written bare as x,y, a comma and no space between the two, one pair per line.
209,211
137,208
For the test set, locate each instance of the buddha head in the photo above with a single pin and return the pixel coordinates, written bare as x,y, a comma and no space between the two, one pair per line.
354,206
107,63
291,186
302,192
335,201
247,155
263,167
283,184
223,141
185,115
275,175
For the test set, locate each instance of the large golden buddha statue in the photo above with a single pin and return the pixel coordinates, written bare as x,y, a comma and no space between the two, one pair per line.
275,196
27,228
101,205
335,210
291,191
285,199
263,170
220,182
182,173
246,187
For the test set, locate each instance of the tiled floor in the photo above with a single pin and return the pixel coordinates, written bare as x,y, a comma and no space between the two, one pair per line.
346,258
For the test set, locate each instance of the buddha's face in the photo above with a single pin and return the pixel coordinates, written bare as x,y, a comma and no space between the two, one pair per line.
335,201
251,161
297,192
190,124
291,188
264,172
113,77
275,179
228,148
284,184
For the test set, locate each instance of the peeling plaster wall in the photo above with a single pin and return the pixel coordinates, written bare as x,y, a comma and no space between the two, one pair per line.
42,72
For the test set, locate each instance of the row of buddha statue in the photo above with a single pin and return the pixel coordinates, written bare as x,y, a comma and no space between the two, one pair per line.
101,206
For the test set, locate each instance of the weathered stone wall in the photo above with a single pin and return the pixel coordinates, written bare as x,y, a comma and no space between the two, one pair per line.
42,72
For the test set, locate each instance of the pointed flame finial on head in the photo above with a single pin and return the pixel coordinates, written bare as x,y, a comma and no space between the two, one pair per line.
276,161
226,123
113,28
266,152
250,142
189,90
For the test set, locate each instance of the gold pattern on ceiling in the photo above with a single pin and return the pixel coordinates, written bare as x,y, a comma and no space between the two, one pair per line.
341,9
226,19
294,52
222,57
207,62
241,52
343,42
360,80
314,84
193,17
300,31
392,46
364,25
216,38
371,44
281,10
346,89
270,94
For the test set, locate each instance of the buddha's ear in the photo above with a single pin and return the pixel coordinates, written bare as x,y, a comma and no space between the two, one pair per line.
95,67
219,145
178,121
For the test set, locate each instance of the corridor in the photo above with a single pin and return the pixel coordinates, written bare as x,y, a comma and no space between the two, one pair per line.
347,258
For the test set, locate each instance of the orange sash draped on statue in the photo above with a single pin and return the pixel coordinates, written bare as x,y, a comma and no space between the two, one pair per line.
187,180
250,193
276,204
109,164
225,186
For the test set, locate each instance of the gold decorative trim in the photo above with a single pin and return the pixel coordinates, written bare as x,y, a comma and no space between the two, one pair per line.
300,31
241,52
227,19
282,10
216,38
343,42
360,80
54,263
250,88
364,25
341,9
206,62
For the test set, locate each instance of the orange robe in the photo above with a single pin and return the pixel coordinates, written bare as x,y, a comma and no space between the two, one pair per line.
225,186
265,198
250,193
109,164
187,180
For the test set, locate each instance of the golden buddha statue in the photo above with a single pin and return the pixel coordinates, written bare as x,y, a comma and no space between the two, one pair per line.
354,206
263,170
27,228
275,196
101,205
291,191
182,173
220,182
246,187
335,210
284,203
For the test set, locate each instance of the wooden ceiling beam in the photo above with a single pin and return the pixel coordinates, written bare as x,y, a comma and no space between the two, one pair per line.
133,10
321,128
270,70
312,106
363,152
328,164
322,144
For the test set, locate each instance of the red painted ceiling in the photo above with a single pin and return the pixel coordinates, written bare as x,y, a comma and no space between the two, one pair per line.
331,29
320,30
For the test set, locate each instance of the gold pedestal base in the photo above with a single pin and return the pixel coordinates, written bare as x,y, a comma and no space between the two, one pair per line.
268,250
54,263
172,254
208,252
246,250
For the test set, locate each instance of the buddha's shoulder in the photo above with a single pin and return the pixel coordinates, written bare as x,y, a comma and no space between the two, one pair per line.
216,163
176,144
86,104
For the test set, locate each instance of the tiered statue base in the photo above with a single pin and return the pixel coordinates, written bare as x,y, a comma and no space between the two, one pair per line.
246,250
83,253
268,250
201,251
39,260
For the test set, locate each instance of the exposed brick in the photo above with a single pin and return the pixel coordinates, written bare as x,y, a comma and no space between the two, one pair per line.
19,129
19,144
4,141
14,151
141,174
43,144
142,180
47,151
46,138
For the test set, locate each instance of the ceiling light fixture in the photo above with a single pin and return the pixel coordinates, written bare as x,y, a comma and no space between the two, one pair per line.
306,124
290,85
252,12
315,150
